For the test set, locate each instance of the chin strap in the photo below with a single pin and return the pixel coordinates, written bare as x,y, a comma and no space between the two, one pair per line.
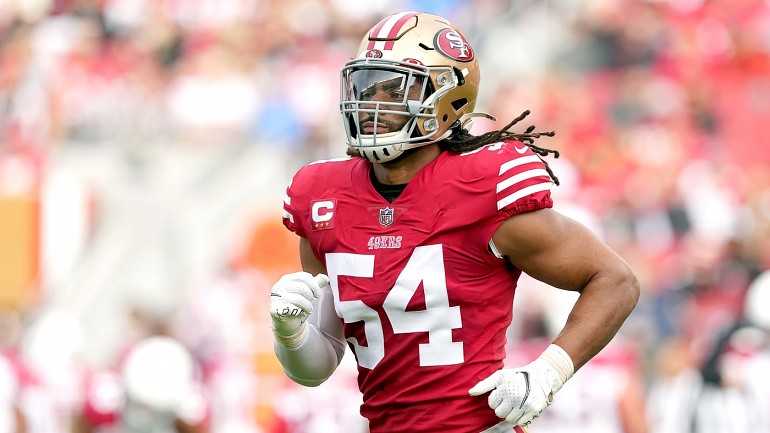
466,120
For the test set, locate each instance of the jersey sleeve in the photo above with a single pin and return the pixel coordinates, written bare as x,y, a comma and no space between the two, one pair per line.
290,211
522,183
308,184
294,207
511,180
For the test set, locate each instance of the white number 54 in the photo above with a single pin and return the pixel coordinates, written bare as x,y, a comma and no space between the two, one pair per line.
437,319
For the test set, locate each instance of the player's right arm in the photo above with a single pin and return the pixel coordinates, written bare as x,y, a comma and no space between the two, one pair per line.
309,340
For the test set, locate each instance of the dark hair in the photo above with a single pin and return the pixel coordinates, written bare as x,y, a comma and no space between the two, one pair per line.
463,141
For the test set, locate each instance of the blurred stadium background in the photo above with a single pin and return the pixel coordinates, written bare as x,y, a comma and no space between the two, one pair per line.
145,146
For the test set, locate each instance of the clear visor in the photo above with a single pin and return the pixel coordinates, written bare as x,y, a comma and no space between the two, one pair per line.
383,101
384,87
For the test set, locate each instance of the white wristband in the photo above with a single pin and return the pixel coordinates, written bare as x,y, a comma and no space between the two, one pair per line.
293,340
560,361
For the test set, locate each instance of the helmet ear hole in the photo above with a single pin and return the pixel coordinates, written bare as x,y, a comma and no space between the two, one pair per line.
457,104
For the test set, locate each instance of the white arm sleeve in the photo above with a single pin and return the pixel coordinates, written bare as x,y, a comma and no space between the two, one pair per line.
315,358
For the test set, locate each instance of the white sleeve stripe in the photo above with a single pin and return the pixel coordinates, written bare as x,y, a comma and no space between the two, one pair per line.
287,200
519,161
545,186
286,214
322,161
529,174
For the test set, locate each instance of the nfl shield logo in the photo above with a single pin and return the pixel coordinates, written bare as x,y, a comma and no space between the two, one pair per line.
386,216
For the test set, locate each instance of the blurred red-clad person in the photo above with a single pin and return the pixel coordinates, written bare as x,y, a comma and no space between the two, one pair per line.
13,375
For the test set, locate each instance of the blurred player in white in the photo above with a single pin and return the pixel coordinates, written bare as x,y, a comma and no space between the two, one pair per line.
155,390
411,249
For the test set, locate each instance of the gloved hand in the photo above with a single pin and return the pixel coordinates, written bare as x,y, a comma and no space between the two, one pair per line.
520,394
292,300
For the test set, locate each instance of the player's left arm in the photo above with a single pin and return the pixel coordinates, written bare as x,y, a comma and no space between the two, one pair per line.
561,252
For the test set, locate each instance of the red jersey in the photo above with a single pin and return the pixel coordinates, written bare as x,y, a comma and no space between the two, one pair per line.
424,301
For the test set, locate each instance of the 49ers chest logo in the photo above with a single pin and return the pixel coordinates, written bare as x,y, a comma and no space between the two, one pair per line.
451,44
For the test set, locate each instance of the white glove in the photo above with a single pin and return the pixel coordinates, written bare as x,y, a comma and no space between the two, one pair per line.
292,300
520,394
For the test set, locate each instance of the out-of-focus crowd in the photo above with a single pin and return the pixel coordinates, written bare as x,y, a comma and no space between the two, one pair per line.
145,146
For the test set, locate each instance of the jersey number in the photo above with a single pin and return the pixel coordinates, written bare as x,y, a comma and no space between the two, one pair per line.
426,265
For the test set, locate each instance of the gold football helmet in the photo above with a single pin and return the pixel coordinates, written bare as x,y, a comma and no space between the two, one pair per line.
414,79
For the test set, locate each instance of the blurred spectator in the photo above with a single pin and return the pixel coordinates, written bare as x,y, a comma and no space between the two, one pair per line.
692,395
212,94
12,374
154,390
50,349
219,325
12,420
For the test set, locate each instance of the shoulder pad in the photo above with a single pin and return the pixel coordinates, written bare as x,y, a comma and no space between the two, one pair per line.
517,174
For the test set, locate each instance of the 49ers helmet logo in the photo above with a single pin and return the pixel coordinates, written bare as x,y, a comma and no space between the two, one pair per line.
451,44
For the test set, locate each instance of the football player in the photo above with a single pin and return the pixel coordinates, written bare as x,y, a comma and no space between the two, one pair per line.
411,248
154,391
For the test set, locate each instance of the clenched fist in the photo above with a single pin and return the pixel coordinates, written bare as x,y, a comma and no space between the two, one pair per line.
292,300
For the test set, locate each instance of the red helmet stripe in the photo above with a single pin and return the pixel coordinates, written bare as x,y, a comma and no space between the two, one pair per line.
389,28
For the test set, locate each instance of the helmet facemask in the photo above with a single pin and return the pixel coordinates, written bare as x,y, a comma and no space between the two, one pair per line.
389,106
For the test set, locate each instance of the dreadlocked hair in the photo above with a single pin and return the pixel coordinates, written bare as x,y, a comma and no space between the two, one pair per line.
463,141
